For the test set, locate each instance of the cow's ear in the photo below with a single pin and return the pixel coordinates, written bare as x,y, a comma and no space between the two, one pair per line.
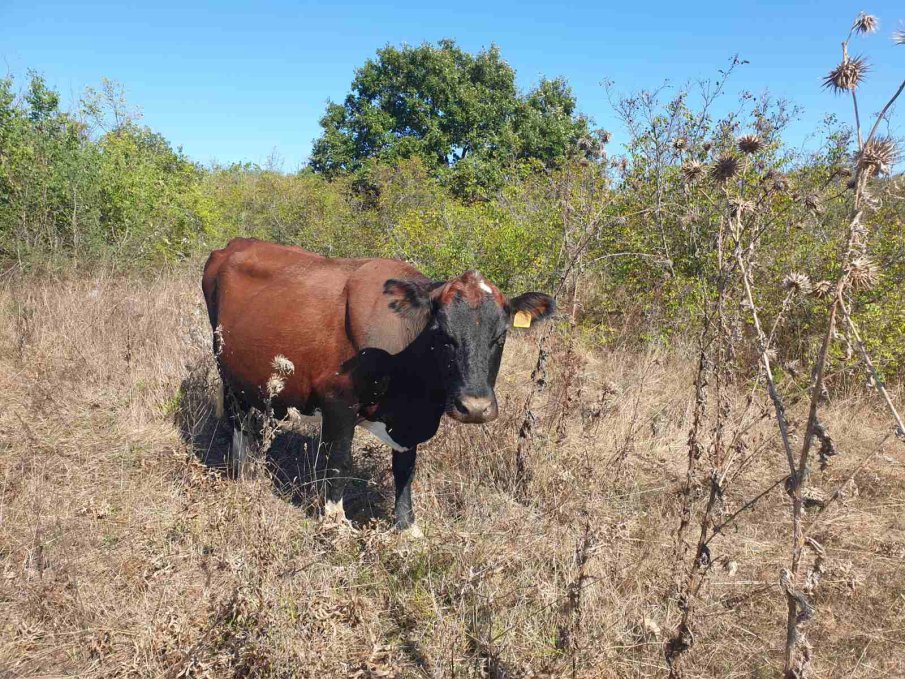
537,305
409,297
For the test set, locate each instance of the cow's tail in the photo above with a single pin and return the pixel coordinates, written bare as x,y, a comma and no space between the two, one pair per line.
209,285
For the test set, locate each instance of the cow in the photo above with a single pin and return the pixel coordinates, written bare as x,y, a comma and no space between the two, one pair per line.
366,342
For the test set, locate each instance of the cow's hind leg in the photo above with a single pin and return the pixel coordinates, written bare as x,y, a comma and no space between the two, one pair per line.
239,456
336,445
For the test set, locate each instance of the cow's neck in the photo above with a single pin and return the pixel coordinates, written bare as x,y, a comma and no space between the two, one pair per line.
415,367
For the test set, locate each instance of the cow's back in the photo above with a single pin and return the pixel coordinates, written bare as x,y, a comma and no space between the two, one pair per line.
266,300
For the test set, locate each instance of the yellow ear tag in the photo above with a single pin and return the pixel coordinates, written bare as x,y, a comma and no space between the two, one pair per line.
522,320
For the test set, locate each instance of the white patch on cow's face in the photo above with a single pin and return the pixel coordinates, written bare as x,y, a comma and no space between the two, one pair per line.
379,429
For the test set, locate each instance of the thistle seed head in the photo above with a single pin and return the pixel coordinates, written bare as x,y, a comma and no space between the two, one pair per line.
865,23
706,146
692,171
775,182
812,202
877,157
750,143
740,207
725,168
275,385
899,37
822,289
282,365
862,273
679,143
847,75
797,283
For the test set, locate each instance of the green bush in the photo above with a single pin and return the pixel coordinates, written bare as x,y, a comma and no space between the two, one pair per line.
97,186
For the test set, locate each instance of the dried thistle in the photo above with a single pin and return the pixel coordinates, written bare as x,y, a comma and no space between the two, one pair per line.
693,171
750,143
877,156
865,23
725,168
740,207
847,75
812,202
862,272
822,289
282,365
275,385
706,146
604,136
775,181
899,37
679,143
797,283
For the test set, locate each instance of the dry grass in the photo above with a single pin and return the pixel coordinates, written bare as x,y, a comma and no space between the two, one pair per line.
125,551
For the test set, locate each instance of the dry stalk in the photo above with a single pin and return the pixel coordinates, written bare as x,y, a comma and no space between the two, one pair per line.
579,231
691,576
526,430
798,651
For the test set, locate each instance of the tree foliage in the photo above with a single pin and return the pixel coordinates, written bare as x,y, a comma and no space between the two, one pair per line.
460,113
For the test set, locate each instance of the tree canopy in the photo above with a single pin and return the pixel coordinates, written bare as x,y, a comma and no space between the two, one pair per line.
461,113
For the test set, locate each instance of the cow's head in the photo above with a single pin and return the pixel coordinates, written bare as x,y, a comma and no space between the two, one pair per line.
467,320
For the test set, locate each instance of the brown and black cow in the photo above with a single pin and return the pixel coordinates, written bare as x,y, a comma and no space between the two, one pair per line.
373,343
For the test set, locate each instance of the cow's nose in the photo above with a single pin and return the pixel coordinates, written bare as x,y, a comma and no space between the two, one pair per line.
475,408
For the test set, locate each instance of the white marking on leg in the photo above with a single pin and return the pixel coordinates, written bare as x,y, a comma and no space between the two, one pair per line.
379,429
334,512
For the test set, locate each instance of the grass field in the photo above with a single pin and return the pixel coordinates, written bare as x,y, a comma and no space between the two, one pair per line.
124,551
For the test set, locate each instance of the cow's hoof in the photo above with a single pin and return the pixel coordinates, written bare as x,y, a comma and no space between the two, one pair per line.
335,516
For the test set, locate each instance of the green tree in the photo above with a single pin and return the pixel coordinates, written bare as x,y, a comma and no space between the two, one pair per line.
460,113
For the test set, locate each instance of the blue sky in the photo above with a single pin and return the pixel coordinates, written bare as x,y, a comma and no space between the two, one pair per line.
236,81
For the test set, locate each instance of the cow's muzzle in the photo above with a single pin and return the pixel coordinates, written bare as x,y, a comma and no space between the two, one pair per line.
473,409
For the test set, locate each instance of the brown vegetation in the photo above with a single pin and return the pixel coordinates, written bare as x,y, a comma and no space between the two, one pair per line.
125,551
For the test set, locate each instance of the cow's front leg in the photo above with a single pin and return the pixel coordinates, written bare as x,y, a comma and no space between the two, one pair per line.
403,475
336,446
